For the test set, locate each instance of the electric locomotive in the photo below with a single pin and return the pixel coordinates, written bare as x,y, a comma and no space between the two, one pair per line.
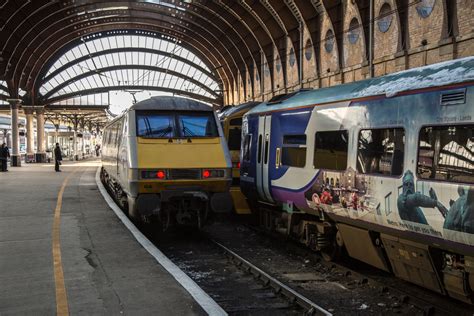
166,159
382,169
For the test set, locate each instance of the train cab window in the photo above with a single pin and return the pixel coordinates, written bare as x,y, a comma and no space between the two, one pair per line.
235,136
381,151
259,154
159,125
446,153
198,125
330,150
236,121
293,152
246,147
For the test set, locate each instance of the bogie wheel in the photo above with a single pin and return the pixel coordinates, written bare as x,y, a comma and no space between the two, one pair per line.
333,251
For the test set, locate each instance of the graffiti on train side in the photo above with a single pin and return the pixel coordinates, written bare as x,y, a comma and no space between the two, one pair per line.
403,203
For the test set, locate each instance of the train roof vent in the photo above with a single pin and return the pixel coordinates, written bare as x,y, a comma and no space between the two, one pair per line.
454,97
282,97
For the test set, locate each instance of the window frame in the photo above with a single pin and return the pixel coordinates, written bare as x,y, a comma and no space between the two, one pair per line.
298,146
419,178
347,156
248,153
174,117
404,151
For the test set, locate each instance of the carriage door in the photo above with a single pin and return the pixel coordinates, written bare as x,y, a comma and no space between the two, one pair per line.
263,157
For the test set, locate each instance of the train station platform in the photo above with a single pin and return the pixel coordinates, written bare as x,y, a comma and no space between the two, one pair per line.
63,250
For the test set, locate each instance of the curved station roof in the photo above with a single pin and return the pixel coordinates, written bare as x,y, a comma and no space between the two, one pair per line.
70,54
57,50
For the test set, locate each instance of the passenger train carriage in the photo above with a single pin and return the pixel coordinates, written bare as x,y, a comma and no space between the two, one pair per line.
383,168
166,158
231,120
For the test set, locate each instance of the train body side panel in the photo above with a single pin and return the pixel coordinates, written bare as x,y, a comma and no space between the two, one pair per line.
445,208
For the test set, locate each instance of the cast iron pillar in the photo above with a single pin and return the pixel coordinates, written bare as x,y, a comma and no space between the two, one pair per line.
15,156
41,149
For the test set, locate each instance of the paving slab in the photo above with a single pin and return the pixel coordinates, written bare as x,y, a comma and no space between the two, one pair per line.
106,271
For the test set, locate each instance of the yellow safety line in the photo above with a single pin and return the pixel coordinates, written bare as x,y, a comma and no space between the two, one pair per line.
62,307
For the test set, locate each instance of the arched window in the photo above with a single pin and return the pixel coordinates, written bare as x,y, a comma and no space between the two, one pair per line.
354,31
425,7
308,50
129,59
329,41
385,18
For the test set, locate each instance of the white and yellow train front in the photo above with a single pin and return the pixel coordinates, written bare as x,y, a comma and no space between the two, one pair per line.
172,162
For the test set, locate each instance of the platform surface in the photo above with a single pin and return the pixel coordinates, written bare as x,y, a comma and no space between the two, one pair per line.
105,270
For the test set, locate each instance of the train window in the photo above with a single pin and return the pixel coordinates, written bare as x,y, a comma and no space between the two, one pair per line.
197,125
446,153
235,136
246,147
330,150
259,155
293,156
293,152
236,122
294,139
155,125
381,151
266,148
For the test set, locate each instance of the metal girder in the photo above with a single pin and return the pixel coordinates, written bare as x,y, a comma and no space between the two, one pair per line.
49,45
125,50
98,71
52,20
228,35
124,87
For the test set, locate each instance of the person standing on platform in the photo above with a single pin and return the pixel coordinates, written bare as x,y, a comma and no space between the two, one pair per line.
57,157
4,154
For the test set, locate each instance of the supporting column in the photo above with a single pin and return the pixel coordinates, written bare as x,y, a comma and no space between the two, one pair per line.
41,149
74,144
75,122
5,136
15,155
30,133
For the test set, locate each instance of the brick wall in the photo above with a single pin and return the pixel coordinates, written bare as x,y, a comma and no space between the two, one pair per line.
278,78
353,53
329,61
386,43
292,78
428,42
431,29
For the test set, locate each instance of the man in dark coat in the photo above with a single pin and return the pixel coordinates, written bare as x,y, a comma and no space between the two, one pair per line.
4,154
57,157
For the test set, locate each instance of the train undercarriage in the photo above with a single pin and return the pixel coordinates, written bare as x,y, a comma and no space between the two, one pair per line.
167,209
444,271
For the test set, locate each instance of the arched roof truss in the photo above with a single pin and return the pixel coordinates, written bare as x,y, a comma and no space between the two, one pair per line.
230,39
128,60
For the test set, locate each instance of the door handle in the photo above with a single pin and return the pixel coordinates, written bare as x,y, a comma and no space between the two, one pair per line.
278,158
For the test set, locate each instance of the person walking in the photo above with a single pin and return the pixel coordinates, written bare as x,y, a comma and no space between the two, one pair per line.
4,154
57,157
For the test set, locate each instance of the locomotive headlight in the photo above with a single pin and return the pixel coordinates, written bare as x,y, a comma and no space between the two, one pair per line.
213,173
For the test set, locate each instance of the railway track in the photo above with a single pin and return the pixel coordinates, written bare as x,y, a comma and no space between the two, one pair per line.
236,284
405,296
228,261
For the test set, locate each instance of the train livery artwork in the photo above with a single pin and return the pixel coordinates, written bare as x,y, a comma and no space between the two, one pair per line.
382,168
